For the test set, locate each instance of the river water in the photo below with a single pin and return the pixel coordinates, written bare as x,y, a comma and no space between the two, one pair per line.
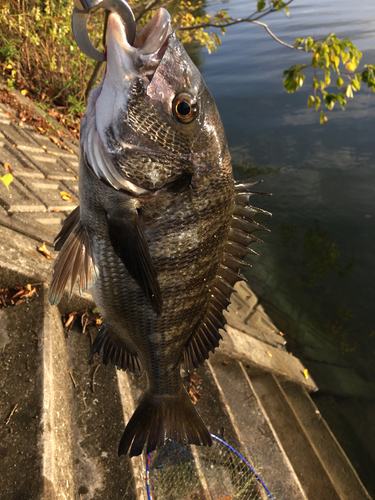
316,268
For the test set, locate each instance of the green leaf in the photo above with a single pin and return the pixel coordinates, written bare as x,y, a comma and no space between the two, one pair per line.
290,84
309,43
6,179
261,5
329,101
339,82
317,103
300,79
95,310
349,92
310,101
323,118
298,41
342,99
316,85
356,84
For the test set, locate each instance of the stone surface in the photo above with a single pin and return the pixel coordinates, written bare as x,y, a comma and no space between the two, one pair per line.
245,347
254,430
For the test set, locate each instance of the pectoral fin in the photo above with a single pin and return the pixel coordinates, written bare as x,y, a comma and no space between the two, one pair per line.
74,262
130,245
69,224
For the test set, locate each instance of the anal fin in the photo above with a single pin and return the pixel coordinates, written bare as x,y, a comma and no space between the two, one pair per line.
115,353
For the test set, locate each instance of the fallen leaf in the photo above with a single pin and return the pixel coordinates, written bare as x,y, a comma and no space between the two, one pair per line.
41,129
9,66
306,373
44,250
9,115
6,179
24,92
64,146
65,196
55,140
269,354
282,334
7,167
70,319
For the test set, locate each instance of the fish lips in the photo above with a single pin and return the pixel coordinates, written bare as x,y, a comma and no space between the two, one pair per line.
140,60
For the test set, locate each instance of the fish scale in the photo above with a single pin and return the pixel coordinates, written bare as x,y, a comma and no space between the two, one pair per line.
162,245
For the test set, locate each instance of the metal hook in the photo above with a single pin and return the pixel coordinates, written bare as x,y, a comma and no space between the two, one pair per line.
81,15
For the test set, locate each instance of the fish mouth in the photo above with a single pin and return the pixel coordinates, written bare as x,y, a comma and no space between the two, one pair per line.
143,57
126,64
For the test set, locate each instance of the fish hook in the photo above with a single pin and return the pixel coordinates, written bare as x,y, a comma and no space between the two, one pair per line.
81,15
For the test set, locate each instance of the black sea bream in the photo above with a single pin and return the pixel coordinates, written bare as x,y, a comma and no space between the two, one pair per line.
162,228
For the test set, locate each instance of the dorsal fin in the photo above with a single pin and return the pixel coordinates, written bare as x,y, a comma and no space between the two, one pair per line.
74,262
206,336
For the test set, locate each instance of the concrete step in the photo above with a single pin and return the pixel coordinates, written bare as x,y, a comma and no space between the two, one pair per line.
64,415
353,428
303,456
332,456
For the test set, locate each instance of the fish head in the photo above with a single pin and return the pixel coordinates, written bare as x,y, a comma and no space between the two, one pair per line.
152,119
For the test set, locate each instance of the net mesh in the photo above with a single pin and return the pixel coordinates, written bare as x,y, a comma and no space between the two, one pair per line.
203,473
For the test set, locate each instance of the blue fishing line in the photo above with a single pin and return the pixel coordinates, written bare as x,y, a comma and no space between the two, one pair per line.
149,494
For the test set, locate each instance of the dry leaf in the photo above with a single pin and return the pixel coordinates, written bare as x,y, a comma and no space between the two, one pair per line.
24,92
55,140
9,66
282,334
70,319
64,146
44,250
41,129
7,167
269,354
306,373
65,196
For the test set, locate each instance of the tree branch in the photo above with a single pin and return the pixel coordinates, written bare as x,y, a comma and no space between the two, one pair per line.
237,21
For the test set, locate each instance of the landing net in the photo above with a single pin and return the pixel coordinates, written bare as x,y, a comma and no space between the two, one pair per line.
202,473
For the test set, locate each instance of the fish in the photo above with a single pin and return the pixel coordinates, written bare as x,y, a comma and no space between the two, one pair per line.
162,228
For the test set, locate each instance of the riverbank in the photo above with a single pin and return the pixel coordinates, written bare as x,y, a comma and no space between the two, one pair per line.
252,387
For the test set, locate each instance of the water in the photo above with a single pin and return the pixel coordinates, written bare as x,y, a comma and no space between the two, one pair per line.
317,265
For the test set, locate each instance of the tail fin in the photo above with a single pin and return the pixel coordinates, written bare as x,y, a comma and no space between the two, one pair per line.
161,418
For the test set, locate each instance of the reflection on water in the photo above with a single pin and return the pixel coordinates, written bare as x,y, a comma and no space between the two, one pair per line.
319,252
317,264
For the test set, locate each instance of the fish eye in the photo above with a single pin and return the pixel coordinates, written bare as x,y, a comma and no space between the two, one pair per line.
185,107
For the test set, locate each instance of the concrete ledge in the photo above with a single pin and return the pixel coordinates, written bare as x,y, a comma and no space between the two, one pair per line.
244,347
58,473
